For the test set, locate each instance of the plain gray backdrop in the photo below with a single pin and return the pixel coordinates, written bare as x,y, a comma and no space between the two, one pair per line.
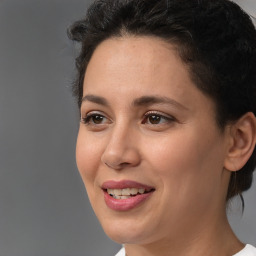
44,209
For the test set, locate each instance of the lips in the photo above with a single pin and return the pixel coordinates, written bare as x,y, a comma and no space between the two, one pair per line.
126,194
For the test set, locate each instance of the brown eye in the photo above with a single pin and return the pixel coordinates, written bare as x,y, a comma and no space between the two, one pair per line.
97,119
154,119
157,119
94,119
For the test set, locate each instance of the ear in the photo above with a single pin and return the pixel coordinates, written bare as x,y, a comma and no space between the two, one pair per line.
241,143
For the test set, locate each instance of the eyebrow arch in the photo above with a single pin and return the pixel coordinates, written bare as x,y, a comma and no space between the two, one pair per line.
95,99
142,101
149,100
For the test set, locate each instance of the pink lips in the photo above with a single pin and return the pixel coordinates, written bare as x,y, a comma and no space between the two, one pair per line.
129,203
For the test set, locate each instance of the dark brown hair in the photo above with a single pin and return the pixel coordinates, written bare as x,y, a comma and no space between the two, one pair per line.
215,38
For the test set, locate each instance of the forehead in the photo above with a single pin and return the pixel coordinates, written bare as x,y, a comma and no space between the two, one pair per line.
122,69
139,60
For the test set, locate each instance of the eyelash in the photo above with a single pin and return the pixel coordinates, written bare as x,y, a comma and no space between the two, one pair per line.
87,120
167,118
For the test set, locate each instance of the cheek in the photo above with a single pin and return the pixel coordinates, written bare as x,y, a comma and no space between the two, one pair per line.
187,164
88,157
174,154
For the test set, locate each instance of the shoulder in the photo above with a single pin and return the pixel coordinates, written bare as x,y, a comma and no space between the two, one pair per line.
248,250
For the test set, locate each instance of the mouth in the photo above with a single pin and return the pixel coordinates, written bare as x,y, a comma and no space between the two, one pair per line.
126,194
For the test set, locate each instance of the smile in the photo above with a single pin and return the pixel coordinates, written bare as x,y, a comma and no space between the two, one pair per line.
126,194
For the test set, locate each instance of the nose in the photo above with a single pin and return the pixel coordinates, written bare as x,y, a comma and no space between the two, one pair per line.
122,149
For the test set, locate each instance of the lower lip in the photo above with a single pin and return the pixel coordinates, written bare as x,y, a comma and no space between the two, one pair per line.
125,204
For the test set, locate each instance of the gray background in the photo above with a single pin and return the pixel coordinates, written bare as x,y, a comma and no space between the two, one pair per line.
44,210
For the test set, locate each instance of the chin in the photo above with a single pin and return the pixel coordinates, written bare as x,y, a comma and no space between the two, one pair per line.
127,232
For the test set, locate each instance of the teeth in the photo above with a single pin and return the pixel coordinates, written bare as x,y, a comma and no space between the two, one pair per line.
142,190
117,192
125,193
134,191
111,191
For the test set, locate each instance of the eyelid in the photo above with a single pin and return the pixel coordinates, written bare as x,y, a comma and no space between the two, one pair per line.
159,113
84,118
94,112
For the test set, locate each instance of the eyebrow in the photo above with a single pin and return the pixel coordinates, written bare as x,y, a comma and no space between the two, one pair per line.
95,99
142,101
149,100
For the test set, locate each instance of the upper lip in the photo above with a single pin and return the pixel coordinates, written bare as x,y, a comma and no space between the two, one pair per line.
112,184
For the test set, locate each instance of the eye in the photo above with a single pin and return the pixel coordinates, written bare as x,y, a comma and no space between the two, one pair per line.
154,118
94,119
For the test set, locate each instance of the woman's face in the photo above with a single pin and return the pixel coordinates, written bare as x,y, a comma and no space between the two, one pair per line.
148,150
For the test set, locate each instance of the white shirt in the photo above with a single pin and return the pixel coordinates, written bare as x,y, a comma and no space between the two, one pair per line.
248,250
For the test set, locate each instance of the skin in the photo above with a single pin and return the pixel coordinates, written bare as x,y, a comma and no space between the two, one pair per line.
182,156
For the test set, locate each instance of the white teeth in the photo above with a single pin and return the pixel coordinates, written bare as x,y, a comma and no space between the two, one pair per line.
125,193
134,191
111,191
117,192
142,190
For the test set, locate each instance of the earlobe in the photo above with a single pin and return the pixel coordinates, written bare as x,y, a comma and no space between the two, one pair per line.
242,142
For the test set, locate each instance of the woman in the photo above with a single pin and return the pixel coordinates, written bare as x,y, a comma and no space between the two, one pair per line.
166,92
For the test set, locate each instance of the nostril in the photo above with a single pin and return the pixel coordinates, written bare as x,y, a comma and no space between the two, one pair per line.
124,164
118,166
113,166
